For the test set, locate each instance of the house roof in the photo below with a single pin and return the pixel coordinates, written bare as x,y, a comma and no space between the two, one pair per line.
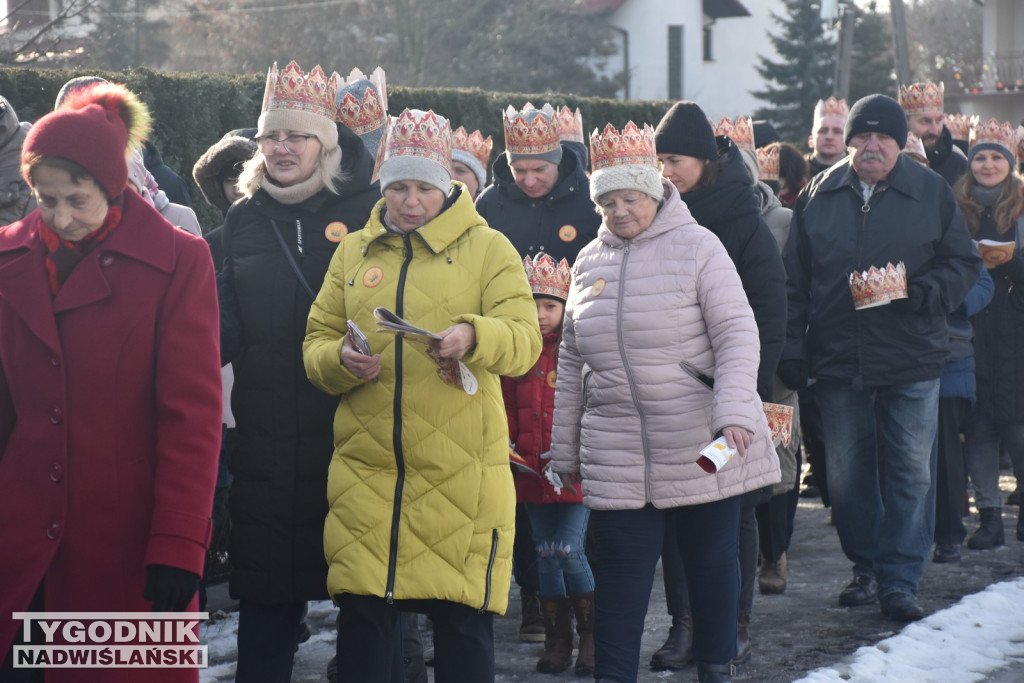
716,9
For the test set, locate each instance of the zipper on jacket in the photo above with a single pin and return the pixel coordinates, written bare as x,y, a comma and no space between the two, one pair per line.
865,211
396,429
629,372
298,236
490,568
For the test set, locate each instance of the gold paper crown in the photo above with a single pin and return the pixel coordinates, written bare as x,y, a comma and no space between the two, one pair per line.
1020,142
546,277
530,137
831,107
371,112
960,125
632,147
922,98
874,286
995,133
915,146
768,163
741,132
570,125
422,134
474,143
293,90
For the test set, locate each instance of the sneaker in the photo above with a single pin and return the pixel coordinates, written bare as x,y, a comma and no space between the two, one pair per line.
863,590
900,606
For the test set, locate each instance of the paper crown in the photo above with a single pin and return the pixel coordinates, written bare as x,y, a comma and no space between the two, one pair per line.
474,143
875,287
831,107
740,131
365,115
422,134
922,98
570,125
995,133
526,136
632,147
1020,142
768,163
914,146
960,125
546,277
780,422
291,89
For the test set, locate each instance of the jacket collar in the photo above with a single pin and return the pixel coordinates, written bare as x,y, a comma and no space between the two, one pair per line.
903,177
572,179
458,216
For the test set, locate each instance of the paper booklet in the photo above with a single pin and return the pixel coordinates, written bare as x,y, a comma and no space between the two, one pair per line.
995,253
453,372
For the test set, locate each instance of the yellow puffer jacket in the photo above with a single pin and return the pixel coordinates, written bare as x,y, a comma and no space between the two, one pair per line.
422,500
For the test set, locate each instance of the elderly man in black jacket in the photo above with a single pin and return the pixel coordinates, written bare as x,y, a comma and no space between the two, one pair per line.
877,367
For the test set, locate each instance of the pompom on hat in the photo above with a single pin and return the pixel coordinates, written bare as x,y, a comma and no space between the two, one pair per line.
96,127
624,161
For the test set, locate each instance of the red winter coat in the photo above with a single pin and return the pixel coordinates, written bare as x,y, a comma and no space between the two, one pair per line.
529,403
110,410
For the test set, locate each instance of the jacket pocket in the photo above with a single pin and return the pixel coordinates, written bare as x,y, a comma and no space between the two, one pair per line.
692,371
490,570
586,388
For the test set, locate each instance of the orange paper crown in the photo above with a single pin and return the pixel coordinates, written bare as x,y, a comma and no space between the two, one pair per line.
768,163
831,107
874,287
570,125
780,421
741,131
546,277
995,133
632,147
960,126
530,137
366,115
914,146
292,89
474,143
421,134
922,98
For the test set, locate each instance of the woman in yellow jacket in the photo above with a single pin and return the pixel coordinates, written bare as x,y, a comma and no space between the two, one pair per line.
422,500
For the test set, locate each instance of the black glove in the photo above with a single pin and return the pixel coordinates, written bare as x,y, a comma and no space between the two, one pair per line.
170,588
913,303
793,373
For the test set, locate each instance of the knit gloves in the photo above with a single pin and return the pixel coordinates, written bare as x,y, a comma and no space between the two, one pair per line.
171,589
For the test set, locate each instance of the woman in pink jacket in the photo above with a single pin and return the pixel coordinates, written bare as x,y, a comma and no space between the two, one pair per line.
659,357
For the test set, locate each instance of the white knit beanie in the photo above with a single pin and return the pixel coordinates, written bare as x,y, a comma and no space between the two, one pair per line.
640,177
325,130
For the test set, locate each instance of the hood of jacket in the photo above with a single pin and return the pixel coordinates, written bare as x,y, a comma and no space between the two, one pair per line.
228,151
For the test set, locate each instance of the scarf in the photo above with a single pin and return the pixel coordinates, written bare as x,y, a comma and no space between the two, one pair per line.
62,256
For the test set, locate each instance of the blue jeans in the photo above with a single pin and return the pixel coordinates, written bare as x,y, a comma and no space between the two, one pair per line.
559,534
884,525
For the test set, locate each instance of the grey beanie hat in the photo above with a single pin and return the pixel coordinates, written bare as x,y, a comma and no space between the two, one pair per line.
423,170
473,163
530,113
370,136
417,146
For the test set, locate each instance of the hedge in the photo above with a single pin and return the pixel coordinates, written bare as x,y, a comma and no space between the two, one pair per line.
193,110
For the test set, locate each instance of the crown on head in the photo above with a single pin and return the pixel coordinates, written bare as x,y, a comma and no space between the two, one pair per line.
922,98
768,163
874,287
474,143
740,131
632,147
570,125
996,133
915,146
525,136
831,107
546,277
293,90
960,125
366,115
422,134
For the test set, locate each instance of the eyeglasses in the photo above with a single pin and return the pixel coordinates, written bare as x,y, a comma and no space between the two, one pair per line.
293,144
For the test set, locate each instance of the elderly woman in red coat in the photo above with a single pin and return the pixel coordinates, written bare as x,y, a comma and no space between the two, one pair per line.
109,386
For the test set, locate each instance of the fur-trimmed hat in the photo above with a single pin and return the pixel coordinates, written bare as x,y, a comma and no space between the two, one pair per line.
222,160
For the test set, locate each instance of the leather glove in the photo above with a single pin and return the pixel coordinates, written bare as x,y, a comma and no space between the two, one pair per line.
170,588
793,373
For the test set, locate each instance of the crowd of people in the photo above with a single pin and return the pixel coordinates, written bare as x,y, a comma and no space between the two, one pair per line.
612,353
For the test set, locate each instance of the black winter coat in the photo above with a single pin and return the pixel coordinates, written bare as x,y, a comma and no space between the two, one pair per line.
559,224
911,217
731,208
946,159
285,435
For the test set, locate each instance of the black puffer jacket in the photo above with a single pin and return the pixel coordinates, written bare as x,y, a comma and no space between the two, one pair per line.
731,208
560,223
946,159
911,217
285,437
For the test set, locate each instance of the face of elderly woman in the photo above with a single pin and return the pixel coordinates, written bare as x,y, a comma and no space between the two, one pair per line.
291,156
412,204
72,208
627,213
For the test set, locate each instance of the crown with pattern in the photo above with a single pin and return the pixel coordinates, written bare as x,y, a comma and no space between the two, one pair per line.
740,131
570,125
960,125
523,136
366,115
922,98
422,134
831,107
875,287
291,89
474,143
632,147
1020,142
995,133
546,277
768,162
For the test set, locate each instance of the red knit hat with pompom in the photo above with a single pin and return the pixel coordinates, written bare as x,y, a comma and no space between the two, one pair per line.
95,127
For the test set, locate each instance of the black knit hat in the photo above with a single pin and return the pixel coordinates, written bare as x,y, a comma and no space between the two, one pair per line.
877,114
765,134
685,130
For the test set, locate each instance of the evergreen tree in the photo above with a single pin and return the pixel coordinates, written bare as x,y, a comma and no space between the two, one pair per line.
802,76
872,68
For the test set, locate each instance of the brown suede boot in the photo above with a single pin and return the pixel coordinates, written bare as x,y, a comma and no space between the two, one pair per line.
557,635
583,607
531,630
772,578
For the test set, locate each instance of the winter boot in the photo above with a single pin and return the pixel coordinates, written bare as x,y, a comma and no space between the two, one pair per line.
990,533
714,673
557,635
771,580
742,639
532,628
677,651
583,608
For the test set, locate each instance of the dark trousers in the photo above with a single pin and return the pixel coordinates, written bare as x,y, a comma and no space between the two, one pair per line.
267,638
950,479
463,639
775,524
524,554
628,545
813,435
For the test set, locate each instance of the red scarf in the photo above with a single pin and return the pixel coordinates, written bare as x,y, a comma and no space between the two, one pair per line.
62,256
